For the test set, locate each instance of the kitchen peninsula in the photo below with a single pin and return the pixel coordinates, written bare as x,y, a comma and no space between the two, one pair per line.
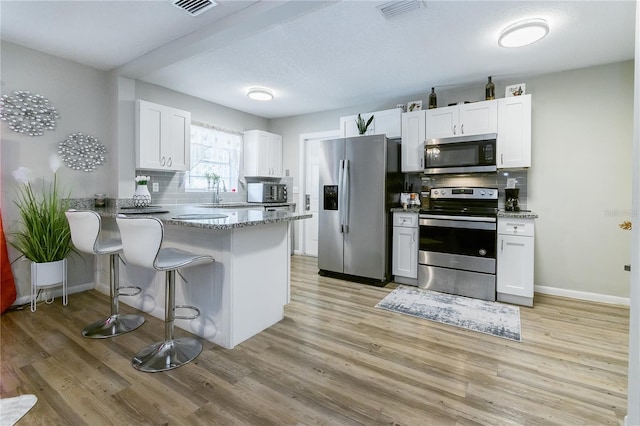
241,294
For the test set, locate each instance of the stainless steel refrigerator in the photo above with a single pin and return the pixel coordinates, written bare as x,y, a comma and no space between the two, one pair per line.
360,181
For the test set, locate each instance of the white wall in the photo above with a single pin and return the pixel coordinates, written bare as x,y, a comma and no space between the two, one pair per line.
580,179
580,182
633,399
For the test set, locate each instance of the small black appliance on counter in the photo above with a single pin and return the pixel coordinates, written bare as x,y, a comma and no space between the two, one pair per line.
512,203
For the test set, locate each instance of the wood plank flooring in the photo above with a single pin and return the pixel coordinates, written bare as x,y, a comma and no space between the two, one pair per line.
333,360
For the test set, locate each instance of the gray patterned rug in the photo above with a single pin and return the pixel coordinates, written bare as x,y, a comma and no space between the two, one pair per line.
492,318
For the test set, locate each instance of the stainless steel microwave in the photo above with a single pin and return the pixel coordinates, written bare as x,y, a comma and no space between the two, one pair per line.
266,192
462,154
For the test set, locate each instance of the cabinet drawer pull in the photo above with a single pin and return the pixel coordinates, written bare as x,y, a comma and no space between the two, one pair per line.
169,162
163,161
462,129
454,129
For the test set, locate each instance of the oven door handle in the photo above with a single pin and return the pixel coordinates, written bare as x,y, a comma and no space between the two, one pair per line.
461,224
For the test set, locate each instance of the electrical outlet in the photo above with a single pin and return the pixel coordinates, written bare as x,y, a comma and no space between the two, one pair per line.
155,187
295,189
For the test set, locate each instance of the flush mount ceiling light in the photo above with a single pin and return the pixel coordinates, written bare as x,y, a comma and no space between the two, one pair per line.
523,33
260,94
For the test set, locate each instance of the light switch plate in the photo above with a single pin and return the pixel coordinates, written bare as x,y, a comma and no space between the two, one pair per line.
155,187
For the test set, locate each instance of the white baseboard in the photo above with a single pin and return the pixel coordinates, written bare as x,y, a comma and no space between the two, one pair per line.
57,292
582,295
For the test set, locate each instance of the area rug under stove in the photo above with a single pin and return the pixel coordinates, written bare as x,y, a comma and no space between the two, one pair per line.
492,318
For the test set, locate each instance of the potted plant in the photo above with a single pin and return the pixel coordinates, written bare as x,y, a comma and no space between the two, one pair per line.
212,179
44,236
362,125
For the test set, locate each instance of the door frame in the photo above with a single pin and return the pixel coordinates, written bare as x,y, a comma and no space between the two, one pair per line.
302,161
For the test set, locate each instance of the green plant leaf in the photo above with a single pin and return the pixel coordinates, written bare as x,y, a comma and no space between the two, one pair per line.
44,235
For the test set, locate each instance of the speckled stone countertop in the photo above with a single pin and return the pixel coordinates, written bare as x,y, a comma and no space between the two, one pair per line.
501,213
522,214
234,217
407,210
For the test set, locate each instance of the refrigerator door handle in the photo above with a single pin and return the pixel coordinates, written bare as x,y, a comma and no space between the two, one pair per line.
341,195
346,197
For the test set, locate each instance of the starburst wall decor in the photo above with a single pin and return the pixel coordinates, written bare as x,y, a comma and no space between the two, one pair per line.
82,152
28,113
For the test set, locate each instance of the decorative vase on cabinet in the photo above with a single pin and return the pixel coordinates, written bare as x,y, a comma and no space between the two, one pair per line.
142,197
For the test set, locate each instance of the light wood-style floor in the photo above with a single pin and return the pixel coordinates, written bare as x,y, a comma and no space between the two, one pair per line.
334,360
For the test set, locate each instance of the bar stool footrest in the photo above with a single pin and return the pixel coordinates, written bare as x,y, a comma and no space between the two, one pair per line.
135,290
186,317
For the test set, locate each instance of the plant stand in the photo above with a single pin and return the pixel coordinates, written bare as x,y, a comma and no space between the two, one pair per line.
48,275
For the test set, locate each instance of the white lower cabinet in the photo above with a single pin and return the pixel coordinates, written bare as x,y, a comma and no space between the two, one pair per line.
405,248
515,260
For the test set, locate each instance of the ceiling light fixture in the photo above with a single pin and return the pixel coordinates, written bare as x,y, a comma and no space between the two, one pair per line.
523,33
260,94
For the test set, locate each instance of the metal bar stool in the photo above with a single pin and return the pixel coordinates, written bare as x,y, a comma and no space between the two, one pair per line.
141,241
85,228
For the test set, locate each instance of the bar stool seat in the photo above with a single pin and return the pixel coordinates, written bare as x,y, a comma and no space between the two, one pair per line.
141,243
85,226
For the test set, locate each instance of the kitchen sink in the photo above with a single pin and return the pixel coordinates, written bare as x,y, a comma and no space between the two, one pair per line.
200,216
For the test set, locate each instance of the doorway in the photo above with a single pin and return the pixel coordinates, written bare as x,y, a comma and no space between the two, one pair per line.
309,188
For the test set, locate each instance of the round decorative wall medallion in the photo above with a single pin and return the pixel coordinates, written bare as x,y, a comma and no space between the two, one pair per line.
28,113
82,152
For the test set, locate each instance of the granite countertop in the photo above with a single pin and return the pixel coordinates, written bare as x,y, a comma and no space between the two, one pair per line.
234,217
522,214
415,209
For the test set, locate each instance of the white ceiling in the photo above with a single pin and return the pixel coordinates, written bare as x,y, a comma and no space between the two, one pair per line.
319,55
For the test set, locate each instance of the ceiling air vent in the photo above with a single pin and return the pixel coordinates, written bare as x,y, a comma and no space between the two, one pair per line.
194,7
395,8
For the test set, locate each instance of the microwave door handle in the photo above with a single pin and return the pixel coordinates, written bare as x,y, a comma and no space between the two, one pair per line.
347,196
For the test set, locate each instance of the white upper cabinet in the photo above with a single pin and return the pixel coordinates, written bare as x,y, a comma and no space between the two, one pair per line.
514,132
387,122
413,136
163,137
262,154
462,120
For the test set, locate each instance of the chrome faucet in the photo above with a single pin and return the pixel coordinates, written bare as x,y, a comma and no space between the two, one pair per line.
217,199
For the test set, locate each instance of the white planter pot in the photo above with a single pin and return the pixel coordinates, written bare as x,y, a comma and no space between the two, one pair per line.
142,197
49,274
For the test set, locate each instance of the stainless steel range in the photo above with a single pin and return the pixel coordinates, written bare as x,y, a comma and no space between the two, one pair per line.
458,234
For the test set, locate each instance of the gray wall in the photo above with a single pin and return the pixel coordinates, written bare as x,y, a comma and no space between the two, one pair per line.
580,179
78,93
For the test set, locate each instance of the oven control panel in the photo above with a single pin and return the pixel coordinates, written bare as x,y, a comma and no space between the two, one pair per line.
465,193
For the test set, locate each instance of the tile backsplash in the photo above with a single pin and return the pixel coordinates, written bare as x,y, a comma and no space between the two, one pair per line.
495,180
172,190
